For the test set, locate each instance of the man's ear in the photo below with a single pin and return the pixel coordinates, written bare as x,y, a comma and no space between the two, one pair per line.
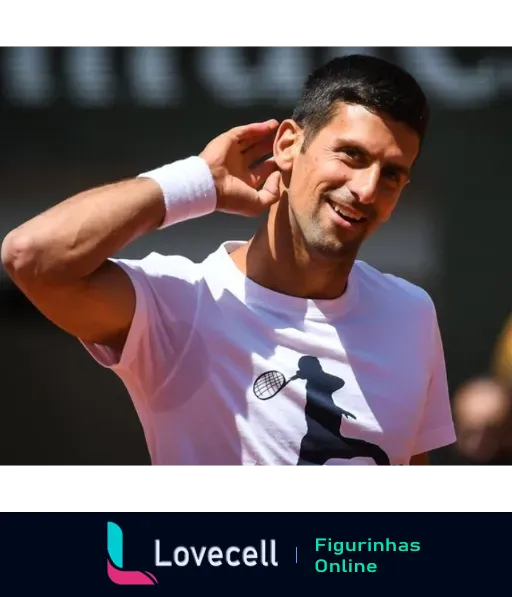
287,144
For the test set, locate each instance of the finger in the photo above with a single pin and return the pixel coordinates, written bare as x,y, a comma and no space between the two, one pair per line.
269,194
259,150
249,134
259,175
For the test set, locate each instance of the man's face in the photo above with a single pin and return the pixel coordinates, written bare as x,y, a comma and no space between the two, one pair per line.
347,180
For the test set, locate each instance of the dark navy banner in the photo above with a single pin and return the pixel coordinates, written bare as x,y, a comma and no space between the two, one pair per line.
265,554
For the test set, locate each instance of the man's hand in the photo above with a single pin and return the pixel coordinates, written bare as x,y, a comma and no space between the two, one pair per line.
241,188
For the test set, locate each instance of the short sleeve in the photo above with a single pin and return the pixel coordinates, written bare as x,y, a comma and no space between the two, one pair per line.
436,428
166,299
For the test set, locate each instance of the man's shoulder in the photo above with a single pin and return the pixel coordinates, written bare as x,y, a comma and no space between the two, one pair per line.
162,267
178,265
176,279
384,285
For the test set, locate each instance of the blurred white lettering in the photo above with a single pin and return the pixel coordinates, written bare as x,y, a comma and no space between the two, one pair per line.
27,76
277,76
153,74
457,85
151,77
89,75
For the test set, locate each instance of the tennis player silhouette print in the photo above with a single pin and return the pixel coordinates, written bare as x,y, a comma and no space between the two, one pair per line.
323,439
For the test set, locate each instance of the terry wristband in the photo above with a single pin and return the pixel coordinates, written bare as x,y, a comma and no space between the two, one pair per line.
188,189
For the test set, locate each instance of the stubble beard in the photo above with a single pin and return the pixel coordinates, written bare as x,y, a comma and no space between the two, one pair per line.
322,244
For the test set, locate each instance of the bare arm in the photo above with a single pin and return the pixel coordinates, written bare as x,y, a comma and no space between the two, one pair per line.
59,258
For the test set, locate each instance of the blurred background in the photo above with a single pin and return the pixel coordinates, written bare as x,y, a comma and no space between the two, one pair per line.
73,118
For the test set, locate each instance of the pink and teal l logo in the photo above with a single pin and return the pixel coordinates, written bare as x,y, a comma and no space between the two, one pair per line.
115,561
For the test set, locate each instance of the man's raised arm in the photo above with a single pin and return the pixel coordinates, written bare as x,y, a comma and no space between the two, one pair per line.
60,258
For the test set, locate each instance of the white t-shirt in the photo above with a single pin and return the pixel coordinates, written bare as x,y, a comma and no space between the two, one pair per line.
356,380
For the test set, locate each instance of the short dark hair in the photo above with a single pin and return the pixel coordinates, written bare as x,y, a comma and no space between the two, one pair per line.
368,81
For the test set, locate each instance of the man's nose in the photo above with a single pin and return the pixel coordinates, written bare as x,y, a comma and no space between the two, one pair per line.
363,184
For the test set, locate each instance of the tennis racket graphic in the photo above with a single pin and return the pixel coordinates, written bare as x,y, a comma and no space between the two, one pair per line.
268,384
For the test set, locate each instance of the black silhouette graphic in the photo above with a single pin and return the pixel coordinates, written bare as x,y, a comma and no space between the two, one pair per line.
323,439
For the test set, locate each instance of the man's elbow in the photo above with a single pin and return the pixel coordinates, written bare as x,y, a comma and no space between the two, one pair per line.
18,254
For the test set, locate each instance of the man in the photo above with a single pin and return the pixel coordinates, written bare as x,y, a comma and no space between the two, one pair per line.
284,350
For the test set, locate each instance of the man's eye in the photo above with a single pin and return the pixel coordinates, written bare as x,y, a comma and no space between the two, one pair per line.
351,152
392,175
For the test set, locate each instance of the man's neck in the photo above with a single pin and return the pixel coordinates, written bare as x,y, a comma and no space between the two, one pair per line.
277,260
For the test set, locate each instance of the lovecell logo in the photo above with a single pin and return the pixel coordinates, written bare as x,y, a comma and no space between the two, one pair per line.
115,569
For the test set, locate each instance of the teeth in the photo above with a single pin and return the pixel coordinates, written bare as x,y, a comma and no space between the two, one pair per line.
341,211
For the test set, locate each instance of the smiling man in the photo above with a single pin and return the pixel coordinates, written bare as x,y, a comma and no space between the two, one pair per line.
283,350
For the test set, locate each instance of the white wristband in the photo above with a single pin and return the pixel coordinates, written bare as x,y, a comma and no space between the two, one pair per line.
188,188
